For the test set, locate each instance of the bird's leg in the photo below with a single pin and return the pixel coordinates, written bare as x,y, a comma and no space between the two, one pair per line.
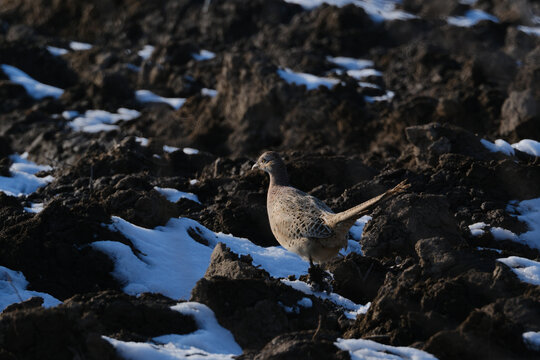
318,278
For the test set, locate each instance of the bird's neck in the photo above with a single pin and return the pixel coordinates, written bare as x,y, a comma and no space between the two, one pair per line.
279,177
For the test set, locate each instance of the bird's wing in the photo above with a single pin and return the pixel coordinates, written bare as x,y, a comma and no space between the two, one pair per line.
302,215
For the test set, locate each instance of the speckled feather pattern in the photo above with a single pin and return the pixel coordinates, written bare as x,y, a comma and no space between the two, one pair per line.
304,224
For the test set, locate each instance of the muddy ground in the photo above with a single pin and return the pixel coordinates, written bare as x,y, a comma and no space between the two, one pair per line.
430,287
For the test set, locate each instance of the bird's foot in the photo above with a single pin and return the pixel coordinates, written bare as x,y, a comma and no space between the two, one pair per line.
319,279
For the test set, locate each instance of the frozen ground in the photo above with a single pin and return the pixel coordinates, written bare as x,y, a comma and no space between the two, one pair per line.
361,349
13,290
146,96
33,87
93,121
23,180
209,342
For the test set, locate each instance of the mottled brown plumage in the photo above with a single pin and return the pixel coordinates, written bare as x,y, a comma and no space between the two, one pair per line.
304,224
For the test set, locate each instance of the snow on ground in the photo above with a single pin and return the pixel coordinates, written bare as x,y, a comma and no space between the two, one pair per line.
145,96
146,51
33,87
203,55
210,342
22,180
531,30
78,46
499,146
310,81
488,249
477,229
528,211
378,10
171,261
367,349
526,270
360,69
352,310
190,151
388,96
13,290
94,121
471,17
170,149
531,147
56,51
143,141
209,92
355,233
532,340
174,195
34,208
350,63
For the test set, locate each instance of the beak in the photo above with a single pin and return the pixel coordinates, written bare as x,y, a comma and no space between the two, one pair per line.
255,166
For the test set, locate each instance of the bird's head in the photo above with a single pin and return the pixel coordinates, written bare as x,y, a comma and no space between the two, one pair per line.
270,162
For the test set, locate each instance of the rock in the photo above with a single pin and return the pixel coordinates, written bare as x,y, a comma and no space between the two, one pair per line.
520,113
224,263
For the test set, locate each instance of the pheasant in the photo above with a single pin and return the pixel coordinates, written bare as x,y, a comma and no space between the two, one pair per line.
304,224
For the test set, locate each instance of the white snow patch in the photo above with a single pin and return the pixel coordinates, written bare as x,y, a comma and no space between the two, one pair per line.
174,195
13,290
531,30
142,141
368,85
170,261
56,51
367,349
145,96
352,310
210,341
170,149
378,10
488,249
477,228
388,96
363,73
532,340
34,208
193,181
33,87
503,234
94,121
526,270
78,46
499,146
310,81
204,55
22,180
190,151
70,114
531,147
350,63
209,92
528,211
471,17
305,302
146,51
355,232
